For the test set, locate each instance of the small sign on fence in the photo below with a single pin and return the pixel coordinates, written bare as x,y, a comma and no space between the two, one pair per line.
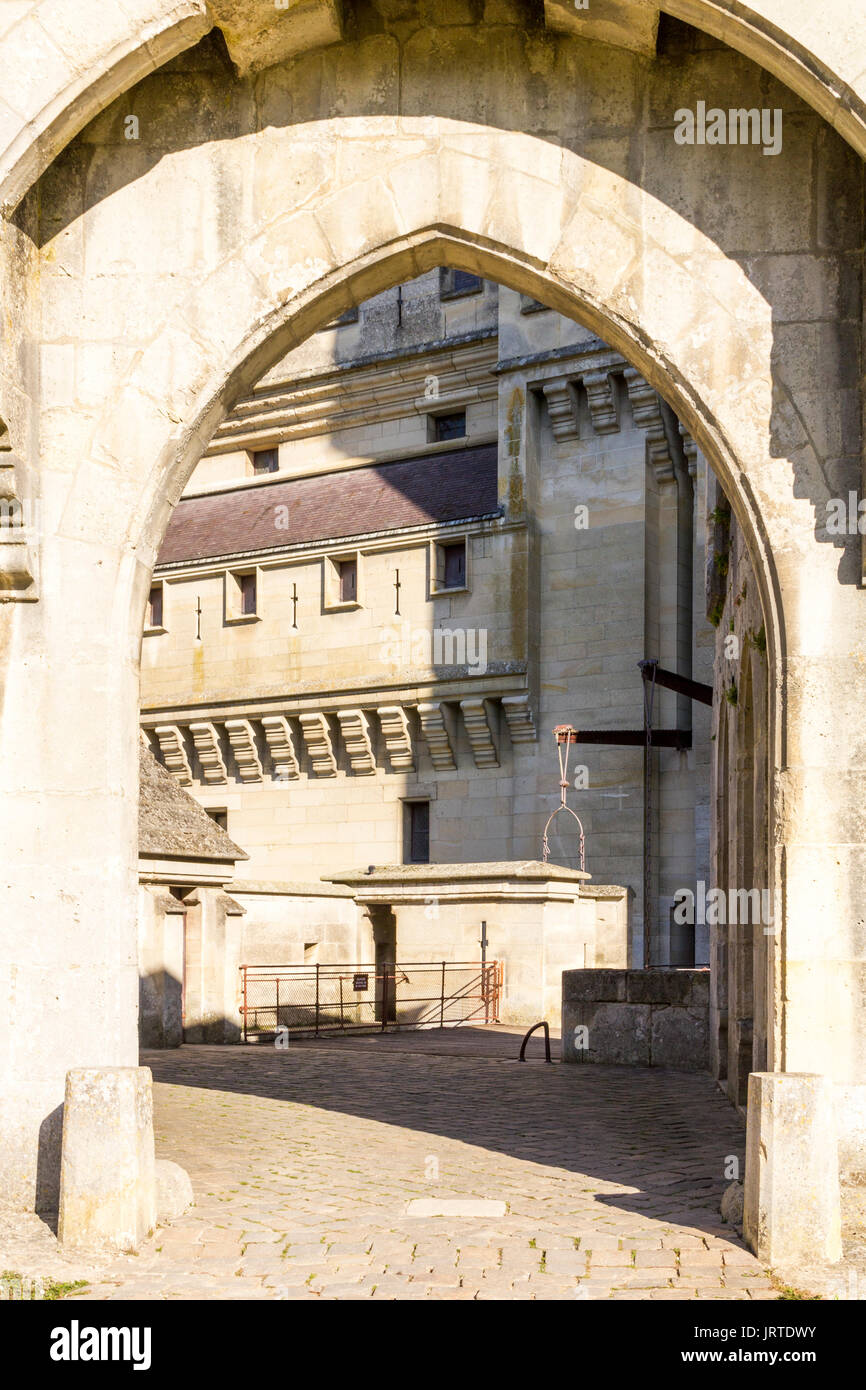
360,982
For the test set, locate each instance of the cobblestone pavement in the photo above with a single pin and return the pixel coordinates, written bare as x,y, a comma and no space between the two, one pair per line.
572,1182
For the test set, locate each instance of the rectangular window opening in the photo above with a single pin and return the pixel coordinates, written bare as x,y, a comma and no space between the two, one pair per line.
219,815
454,565
154,606
448,426
416,832
454,284
247,595
265,461
348,572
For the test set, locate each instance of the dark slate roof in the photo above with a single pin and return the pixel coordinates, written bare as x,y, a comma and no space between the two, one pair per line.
411,492
171,823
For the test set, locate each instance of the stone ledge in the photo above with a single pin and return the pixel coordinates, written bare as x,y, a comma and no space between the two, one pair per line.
460,873
277,888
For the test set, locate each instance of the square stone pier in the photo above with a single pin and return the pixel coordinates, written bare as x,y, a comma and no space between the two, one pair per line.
541,919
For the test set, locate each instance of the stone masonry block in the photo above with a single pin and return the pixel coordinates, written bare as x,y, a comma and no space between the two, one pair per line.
658,987
791,1211
617,1034
107,1181
590,986
680,1039
174,1194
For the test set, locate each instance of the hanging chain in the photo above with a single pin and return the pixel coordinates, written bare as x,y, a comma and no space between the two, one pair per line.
565,735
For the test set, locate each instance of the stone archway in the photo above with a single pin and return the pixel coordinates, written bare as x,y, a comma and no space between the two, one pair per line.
78,69
205,307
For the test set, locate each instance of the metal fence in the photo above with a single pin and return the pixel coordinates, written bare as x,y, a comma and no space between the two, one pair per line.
312,999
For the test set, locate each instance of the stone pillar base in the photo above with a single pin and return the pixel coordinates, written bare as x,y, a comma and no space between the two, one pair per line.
107,1182
791,1205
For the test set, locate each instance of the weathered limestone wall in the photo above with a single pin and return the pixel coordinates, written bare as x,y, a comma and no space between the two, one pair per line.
792,1212
190,949
332,651
212,959
322,421
297,923
77,68
746,995
613,936
174,270
160,958
636,1018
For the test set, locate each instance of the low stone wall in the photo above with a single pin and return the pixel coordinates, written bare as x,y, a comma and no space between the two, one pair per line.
637,1018
282,919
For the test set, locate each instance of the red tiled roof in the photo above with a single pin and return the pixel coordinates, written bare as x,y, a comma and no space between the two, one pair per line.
411,492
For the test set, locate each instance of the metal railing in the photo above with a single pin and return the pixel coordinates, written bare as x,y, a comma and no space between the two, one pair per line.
341,998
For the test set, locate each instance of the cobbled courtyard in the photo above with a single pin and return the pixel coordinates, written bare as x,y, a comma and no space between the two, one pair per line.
434,1165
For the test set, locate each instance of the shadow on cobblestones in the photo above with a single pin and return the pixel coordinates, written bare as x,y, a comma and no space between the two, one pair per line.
436,1166
664,1137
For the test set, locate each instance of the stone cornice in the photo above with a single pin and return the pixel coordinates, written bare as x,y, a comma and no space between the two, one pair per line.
476,721
355,728
414,883
691,451
361,393
173,752
398,739
407,687
281,745
242,738
435,730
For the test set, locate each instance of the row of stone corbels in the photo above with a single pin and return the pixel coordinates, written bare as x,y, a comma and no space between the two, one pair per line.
436,719
646,406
